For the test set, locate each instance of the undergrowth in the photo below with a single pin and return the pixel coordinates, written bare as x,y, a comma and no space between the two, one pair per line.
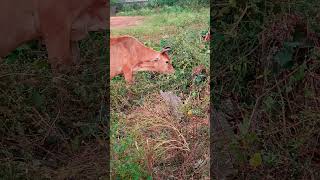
160,6
53,127
266,89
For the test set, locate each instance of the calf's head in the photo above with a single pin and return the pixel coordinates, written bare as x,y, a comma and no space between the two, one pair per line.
162,63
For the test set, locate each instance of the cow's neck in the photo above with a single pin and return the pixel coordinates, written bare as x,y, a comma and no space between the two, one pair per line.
144,66
148,54
144,56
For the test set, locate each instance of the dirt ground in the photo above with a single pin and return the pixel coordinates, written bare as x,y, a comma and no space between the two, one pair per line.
125,21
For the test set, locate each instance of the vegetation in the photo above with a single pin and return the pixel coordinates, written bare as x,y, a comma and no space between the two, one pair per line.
266,67
53,127
148,140
160,4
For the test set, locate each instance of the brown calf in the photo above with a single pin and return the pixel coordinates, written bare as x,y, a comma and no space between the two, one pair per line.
128,55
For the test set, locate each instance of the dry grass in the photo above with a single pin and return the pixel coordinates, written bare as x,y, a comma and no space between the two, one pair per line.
172,146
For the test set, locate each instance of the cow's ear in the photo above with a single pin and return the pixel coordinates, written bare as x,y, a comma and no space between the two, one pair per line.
165,49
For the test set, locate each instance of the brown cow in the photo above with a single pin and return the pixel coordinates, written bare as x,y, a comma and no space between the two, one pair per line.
60,23
128,55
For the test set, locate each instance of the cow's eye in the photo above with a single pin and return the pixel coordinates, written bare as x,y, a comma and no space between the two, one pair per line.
167,62
155,59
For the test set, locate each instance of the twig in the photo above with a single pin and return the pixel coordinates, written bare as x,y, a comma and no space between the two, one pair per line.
283,104
239,20
11,74
258,101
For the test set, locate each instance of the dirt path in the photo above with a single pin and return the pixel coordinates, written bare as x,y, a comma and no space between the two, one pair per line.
120,22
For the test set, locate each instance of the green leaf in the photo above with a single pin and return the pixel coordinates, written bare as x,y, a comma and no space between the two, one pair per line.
284,57
36,99
270,158
11,59
233,3
20,129
269,103
218,36
194,94
224,10
289,89
244,126
75,143
300,73
250,138
40,64
308,93
291,44
256,160
23,47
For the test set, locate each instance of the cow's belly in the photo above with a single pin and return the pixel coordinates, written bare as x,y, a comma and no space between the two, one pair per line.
10,42
18,22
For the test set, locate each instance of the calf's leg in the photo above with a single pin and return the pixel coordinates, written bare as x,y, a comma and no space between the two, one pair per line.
128,74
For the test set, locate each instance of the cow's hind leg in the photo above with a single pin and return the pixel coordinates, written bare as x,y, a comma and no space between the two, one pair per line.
59,50
56,34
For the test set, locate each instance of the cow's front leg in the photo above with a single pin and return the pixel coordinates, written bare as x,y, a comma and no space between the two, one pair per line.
128,74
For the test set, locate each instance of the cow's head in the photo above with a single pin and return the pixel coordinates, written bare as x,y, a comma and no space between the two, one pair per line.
162,63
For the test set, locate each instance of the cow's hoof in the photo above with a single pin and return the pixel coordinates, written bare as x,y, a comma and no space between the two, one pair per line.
129,84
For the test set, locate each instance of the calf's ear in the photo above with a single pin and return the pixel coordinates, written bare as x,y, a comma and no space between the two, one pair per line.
165,49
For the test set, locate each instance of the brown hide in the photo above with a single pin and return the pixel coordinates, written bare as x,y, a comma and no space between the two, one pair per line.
60,23
128,55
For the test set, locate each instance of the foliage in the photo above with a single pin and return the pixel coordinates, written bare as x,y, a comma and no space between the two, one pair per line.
160,4
50,125
265,62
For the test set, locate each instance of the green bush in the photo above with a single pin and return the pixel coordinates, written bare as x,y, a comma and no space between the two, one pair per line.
185,4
